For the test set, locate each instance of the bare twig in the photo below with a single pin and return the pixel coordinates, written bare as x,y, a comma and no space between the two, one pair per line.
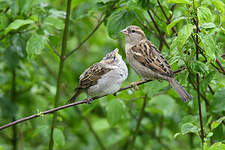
92,32
66,106
197,79
13,99
53,48
59,77
161,35
221,67
138,123
164,13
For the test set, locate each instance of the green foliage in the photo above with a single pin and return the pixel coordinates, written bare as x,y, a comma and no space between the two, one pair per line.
35,45
15,25
59,138
218,105
182,37
31,34
115,112
118,21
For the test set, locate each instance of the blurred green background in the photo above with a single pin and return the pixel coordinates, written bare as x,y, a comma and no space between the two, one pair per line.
31,34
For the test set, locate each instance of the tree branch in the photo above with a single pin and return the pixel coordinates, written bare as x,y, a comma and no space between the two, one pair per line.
197,79
13,99
164,13
161,35
138,123
92,32
59,77
221,67
68,105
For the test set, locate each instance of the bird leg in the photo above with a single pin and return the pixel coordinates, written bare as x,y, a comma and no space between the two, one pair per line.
89,99
135,84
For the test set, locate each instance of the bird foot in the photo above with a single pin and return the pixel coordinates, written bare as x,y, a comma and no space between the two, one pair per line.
135,85
115,94
89,100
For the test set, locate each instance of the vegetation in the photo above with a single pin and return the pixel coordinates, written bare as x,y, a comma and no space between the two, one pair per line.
46,44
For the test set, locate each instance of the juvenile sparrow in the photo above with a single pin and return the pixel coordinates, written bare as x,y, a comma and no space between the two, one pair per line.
146,60
104,77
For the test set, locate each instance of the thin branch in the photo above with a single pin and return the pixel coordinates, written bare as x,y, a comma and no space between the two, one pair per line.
203,97
92,32
13,99
59,78
164,13
85,101
197,79
161,35
94,133
53,48
138,123
221,67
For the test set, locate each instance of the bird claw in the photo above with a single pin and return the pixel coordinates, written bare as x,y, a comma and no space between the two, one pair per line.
134,85
89,100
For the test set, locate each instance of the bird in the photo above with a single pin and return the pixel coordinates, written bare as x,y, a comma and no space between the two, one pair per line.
102,78
147,61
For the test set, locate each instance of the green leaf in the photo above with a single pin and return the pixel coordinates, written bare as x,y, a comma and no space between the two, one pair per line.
219,5
216,123
165,104
115,112
173,23
183,35
199,67
154,86
118,21
204,15
218,102
209,46
17,24
208,25
189,128
206,81
58,137
180,1
35,45
3,21
217,146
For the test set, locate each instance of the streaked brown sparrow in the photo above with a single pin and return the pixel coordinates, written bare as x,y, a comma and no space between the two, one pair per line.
147,61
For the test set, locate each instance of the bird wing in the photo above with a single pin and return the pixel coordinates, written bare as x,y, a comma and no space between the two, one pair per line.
148,55
92,74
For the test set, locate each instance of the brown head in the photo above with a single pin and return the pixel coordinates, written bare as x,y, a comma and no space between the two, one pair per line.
133,34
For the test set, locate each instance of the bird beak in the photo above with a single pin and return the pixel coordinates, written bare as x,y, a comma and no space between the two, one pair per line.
116,52
124,31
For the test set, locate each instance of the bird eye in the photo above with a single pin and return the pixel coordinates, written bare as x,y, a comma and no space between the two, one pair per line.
132,31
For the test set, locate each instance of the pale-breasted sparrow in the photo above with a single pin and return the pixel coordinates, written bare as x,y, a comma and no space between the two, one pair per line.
104,77
146,60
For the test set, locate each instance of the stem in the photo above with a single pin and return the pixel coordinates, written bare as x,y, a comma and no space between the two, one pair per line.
138,124
13,99
59,77
164,13
94,133
66,106
221,67
161,35
197,79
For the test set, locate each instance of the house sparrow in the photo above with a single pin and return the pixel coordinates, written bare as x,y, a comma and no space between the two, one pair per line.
146,60
104,77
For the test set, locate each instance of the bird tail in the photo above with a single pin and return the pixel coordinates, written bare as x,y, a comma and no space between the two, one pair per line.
185,96
75,95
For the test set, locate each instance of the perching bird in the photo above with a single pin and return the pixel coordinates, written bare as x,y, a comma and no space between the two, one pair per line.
104,77
146,60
